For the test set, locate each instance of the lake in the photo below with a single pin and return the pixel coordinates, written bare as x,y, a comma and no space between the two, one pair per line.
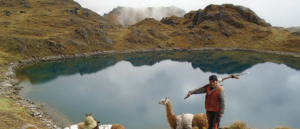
125,89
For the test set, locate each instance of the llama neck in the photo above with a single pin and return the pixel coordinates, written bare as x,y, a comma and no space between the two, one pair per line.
171,117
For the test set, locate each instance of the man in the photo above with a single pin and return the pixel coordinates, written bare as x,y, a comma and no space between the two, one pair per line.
214,101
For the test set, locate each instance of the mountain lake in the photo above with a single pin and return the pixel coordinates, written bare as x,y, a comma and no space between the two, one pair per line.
126,88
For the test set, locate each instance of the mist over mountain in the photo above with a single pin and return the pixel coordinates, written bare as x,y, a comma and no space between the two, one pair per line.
128,16
294,28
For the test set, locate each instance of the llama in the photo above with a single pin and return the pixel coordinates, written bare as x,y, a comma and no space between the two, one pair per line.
117,126
184,121
89,123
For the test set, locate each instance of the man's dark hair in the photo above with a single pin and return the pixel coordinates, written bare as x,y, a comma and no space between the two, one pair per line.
213,77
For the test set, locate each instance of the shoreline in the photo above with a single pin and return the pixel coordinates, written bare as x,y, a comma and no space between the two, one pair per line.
10,87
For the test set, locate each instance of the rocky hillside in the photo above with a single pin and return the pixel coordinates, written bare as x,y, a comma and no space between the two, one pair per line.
39,28
35,28
128,16
215,26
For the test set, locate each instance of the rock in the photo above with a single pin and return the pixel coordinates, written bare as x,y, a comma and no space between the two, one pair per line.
22,11
61,46
108,40
73,43
87,14
190,26
18,88
21,49
27,5
76,11
222,14
51,43
8,13
227,33
104,27
297,33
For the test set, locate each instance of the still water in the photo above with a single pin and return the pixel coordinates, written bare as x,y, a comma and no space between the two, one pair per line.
125,89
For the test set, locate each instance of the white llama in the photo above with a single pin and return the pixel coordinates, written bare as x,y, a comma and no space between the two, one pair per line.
184,121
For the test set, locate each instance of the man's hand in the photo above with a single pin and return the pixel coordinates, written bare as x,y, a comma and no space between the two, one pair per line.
188,95
221,115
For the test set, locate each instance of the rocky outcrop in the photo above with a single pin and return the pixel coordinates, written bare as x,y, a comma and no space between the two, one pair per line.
234,15
173,20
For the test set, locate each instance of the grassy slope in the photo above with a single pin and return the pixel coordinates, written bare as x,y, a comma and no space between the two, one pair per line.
47,28
13,116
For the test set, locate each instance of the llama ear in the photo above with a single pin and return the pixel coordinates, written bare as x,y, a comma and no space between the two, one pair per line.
169,97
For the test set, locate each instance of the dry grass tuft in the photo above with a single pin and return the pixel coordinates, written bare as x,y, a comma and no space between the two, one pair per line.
282,127
238,125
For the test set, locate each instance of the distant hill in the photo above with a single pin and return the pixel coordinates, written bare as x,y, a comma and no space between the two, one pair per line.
294,28
128,16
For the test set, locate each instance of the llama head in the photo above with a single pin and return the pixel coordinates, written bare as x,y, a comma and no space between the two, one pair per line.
88,114
91,115
164,101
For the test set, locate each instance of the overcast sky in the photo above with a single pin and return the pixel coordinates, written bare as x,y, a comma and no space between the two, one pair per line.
285,13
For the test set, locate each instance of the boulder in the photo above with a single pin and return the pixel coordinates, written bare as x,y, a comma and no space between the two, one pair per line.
108,40
51,43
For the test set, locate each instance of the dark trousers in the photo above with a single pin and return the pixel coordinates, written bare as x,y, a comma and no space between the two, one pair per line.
213,119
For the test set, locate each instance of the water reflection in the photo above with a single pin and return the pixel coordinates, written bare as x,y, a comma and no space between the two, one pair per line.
127,92
208,61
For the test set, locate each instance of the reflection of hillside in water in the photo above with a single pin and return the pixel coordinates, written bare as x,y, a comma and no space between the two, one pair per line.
220,62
